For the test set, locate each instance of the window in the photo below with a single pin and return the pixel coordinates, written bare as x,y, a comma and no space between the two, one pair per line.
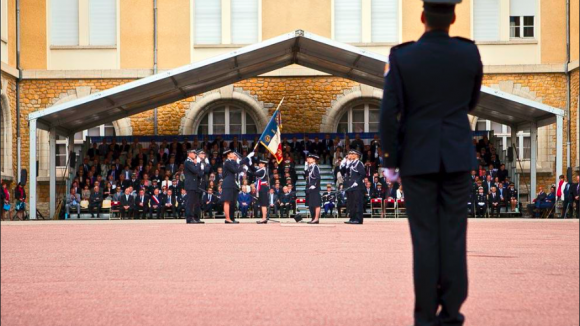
522,18
103,22
227,120
348,21
4,21
64,22
208,22
486,20
106,130
385,21
519,30
360,119
245,21
523,142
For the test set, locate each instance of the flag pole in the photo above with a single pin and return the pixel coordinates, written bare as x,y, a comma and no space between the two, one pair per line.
277,109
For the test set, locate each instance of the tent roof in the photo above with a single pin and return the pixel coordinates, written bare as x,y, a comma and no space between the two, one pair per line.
298,47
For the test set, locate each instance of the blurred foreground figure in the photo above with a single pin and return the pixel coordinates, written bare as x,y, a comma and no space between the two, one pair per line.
431,86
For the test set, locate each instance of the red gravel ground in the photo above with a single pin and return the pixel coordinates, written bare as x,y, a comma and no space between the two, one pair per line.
167,273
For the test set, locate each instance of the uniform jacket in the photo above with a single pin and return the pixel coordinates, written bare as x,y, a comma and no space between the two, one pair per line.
433,83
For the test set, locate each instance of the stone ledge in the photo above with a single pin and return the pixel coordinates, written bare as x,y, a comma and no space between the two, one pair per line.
524,69
12,71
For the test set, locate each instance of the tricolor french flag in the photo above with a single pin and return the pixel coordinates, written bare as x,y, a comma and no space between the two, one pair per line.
272,136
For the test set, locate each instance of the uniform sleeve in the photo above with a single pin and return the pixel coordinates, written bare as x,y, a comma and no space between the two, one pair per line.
390,109
477,84
316,173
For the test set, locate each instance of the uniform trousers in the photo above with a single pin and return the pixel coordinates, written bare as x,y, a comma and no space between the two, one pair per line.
193,205
438,222
355,205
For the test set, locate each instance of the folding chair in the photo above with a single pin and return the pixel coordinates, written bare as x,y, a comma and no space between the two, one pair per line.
106,206
301,201
392,210
377,205
115,211
401,209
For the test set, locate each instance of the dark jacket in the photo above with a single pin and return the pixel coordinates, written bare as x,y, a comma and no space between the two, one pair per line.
433,83
127,200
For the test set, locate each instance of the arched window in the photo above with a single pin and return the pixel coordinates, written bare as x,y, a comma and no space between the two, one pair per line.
106,130
228,119
360,118
5,138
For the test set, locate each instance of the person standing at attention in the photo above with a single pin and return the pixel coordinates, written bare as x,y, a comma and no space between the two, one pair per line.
433,84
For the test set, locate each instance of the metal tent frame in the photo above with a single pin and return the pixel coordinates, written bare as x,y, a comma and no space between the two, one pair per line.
298,47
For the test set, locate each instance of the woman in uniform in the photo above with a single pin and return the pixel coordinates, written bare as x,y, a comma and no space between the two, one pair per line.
313,180
230,188
233,166
262,184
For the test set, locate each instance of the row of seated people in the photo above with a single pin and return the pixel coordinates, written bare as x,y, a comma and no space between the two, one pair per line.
482,203
543,203
162,203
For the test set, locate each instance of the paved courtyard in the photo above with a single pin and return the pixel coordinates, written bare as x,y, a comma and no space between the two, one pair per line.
523,272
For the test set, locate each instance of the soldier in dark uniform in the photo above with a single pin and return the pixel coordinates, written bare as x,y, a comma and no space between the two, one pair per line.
262,185
313,179
233,166
355,190
433,84
192,178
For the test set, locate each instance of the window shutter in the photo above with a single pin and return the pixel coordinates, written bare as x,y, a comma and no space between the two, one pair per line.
64,24
103,22
486,20
385,21
208,21
245,21
348,21
523,8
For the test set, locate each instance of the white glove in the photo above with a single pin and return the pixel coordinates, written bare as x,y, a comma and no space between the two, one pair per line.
391,174
238,161
202,166
312,188
305,165
354,185
198,160
206,161
246,168
251,155
343,163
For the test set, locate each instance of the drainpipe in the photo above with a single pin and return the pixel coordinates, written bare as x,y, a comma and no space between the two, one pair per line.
155,121
18,137
568,86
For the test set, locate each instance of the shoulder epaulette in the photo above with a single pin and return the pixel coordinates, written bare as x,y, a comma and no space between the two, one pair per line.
464,39
402,45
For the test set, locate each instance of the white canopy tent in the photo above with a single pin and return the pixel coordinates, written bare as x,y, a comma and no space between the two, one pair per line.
298,47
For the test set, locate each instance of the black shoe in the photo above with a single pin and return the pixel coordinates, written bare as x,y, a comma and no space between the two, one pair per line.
314,222
232,222
262,222
92,216
188,222
198,222
349,222
354,222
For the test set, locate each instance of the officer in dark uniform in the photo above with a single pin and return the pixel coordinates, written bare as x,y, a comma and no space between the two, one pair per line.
261,174
233,166
355,191
313,180
192,177
433,84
